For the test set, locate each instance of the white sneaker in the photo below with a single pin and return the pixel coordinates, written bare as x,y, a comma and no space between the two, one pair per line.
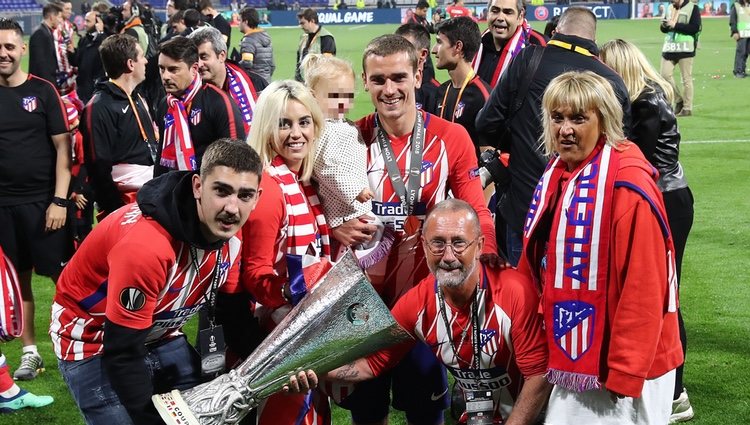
682,411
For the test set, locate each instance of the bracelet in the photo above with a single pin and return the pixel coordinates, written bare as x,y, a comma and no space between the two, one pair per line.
60,202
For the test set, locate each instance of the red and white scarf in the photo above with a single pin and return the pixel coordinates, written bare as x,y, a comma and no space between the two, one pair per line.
242,91
66,78
11,304
306,228
511,49
575,260
177,149
576,255
305,248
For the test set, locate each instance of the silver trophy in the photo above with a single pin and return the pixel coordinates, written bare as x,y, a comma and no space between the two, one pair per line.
341,320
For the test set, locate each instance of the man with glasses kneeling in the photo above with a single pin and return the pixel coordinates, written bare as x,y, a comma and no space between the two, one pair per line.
481,322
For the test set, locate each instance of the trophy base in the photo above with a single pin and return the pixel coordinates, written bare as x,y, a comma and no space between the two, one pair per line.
173,409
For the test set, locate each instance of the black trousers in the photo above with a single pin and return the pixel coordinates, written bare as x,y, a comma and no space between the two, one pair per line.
679,206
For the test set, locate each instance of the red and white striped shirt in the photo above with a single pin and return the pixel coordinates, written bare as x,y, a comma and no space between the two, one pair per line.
449,168
133,272
512,342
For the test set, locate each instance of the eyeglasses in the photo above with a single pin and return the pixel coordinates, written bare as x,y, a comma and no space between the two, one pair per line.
437,247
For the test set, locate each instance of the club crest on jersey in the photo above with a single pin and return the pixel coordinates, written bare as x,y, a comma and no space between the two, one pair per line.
487,340
573,327
168,120
459,110
132,299
195,116
29,103
426,173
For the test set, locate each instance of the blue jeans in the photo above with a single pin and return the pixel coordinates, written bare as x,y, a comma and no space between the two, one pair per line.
172,365
514,246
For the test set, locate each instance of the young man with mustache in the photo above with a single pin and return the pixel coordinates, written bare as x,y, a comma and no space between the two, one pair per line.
414,159
141,274
480,322
507,34
193,114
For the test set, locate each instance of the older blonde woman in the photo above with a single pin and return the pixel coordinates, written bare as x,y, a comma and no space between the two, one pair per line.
597,242
655,131
287,224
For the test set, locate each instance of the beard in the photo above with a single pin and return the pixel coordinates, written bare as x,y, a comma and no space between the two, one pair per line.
446,274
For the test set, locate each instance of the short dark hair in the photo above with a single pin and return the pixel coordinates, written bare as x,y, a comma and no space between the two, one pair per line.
192,18
309,15
422,4
418,32
465,29
11,25
50,9
204,4
250,16
180,48
232,153
176,17
390,44
115,52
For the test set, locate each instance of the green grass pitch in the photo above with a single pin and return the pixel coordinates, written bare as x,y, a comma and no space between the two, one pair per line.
715,292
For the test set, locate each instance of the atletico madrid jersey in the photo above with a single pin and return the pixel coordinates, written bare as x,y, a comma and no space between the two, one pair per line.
131,271
511,342
448,168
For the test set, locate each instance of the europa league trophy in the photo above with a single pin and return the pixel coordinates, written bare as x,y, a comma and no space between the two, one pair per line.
341,320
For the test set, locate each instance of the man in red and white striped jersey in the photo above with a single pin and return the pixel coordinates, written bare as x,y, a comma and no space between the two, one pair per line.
141,274
482,323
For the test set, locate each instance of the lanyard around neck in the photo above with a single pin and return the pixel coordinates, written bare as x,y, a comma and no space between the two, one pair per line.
137,119
474,325
215,277
468,78
408,197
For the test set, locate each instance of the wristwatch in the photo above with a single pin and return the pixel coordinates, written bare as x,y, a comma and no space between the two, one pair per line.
60,202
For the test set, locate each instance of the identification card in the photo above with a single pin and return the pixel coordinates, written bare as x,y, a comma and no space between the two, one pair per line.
479,407
212,350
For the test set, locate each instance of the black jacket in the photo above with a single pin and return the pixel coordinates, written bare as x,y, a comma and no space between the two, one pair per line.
42,59
524,129
212,116
89,63
168,200
655,132
111,135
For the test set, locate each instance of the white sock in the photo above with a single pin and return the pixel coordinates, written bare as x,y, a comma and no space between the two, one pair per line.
29,349
14,389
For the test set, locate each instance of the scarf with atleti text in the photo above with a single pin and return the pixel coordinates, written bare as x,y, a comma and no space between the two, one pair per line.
242,91
306,228
177,149
511,49
66,73
11,304
575,274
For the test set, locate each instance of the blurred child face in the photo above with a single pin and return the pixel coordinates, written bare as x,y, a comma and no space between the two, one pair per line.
335,95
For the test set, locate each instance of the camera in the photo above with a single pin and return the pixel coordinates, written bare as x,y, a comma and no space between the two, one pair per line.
492,169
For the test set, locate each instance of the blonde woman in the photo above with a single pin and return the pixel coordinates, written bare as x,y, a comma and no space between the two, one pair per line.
595,271
655,131
287,224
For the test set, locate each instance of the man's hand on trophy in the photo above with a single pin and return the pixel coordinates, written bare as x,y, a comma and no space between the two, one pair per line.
302,382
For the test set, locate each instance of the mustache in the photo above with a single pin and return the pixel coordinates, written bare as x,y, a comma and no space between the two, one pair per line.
456,265
228,218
